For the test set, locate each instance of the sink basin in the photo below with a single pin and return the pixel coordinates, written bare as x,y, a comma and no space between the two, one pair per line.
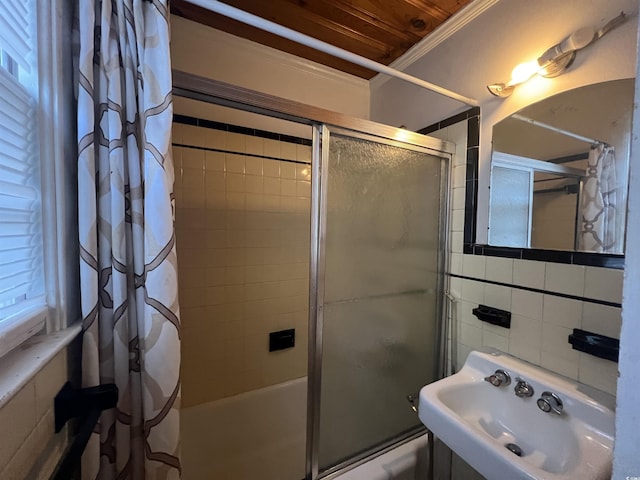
485,424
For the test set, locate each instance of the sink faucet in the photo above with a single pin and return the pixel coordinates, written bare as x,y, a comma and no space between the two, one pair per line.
499,378
522,388
550,402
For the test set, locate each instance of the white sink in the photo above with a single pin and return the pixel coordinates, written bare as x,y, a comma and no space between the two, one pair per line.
477,420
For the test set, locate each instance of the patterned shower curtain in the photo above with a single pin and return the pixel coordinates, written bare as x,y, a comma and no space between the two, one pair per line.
598,213
127,242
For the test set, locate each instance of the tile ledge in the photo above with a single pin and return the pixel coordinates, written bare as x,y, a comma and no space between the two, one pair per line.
23,363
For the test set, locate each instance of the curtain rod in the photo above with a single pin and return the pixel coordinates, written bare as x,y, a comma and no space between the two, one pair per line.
271,27
592,141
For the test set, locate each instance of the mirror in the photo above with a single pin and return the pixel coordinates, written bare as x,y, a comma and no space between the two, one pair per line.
559,171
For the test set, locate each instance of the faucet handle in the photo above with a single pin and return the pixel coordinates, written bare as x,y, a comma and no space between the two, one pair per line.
550,402
499,378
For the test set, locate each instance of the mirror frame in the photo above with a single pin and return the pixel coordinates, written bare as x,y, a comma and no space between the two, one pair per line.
470,247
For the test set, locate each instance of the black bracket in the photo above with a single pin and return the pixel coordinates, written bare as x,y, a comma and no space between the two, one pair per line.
78,402
282,339
494,316
595,344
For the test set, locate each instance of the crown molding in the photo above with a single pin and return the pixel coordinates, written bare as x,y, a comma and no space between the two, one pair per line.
439,35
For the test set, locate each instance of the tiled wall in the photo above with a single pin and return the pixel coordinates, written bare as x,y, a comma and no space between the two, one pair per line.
242,229
547,300
29,448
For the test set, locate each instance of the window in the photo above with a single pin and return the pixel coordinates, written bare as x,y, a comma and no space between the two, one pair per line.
23,307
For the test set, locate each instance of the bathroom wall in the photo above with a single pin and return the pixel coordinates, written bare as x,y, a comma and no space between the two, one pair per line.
547,300
29,447
242,233
487,49
218,55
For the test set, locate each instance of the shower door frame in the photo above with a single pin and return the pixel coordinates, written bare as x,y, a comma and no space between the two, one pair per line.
319,181
323,122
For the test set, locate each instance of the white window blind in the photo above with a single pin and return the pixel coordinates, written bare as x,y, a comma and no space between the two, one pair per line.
21,242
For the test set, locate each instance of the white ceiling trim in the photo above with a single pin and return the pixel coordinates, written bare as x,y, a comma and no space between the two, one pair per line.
439,35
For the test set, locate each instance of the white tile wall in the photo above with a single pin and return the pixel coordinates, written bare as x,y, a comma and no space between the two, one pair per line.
529,274
603,284
242,229
564,278
499,270
540,322
474,266
29,448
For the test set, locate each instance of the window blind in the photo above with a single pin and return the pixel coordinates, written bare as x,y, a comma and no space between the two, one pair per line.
16,27
21,242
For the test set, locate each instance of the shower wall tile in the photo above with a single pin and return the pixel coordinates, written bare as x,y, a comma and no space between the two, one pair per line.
194,136
255,145
242,228
303,154
236,142
177,130
288,151
213,161
253,165
272,148
215,139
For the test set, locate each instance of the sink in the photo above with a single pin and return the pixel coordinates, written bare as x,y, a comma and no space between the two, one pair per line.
504,436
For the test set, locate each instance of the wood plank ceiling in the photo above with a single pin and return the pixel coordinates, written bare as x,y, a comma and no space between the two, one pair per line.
381,30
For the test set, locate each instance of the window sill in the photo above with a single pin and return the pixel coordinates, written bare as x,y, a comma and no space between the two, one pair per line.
22,363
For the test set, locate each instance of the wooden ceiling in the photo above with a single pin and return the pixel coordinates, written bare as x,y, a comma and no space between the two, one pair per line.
381,30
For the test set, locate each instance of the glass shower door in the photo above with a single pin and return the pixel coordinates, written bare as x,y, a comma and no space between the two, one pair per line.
378,302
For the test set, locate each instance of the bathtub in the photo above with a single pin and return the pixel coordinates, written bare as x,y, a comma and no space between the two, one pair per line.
259,434
262,435
408,461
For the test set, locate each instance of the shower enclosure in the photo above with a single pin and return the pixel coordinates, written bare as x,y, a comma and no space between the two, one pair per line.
378,246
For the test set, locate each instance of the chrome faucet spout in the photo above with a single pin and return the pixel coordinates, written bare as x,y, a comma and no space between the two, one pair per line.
522,388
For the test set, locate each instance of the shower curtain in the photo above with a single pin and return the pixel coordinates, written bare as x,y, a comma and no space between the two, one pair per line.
597,231
127,242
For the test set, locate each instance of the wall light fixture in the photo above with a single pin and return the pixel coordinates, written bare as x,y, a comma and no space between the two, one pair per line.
556,59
